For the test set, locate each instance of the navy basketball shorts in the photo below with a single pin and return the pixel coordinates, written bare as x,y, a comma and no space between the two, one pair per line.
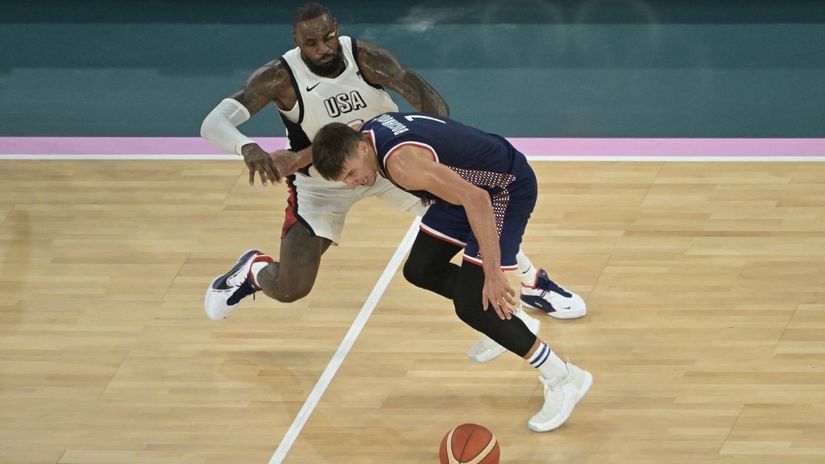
512,207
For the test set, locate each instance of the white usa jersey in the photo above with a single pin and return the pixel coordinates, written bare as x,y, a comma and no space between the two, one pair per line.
347,98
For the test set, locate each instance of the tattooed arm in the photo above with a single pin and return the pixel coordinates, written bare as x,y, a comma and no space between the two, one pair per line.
270,83
380,67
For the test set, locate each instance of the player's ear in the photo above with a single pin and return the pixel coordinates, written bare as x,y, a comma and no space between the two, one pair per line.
361,147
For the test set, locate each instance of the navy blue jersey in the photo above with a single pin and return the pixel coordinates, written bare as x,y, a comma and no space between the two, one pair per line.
485,160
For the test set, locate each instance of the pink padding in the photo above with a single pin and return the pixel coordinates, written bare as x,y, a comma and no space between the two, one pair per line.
531,146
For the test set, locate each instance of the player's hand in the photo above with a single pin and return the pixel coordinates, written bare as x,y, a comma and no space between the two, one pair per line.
284,162
498,294
258,161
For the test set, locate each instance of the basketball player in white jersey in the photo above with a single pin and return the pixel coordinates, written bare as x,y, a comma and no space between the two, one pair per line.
331,78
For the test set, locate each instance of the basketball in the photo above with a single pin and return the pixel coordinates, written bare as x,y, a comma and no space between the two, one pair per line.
469,444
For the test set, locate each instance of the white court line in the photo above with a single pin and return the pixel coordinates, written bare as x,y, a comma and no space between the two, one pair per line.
118,157
346,344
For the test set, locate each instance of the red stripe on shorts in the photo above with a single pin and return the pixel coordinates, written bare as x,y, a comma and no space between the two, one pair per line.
291,211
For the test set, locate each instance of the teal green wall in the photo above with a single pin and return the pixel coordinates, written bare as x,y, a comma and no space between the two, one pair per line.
609,68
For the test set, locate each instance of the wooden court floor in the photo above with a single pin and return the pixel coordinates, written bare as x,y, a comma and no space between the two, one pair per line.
705,334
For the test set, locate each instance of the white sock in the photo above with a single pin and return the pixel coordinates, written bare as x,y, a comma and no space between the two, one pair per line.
525,270
260,262
549,365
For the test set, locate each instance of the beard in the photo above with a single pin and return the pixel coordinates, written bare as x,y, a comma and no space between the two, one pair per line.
327,69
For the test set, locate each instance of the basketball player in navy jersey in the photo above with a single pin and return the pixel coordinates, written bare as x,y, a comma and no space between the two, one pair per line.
483,192
330,78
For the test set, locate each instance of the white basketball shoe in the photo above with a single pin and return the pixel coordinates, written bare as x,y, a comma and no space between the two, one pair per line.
227,290
550,297
486,349
560,398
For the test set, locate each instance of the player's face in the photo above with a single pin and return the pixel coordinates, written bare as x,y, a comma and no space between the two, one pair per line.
318,40
359,170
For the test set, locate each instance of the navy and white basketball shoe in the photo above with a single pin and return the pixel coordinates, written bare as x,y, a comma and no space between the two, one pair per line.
550,297
227,290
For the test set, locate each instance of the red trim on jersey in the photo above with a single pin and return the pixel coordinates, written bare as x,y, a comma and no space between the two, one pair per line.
291,211
478,262
409,142
371,136
443,237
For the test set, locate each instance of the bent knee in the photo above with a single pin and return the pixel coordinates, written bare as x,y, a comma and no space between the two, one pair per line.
470,309
288,293
415,274
291,296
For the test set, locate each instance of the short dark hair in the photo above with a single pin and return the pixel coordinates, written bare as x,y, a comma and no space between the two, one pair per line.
310,11
331,147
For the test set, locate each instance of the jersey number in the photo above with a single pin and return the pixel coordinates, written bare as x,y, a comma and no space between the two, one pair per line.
412,117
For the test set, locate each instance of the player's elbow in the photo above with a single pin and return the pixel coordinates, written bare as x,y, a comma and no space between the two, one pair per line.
203,129
206,127
211,124
476,198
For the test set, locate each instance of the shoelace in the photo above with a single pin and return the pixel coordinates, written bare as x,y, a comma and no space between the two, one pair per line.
543,292
244,290
551,286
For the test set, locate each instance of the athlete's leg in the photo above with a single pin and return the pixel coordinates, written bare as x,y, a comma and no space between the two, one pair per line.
513,334
564,383
429,265
293,277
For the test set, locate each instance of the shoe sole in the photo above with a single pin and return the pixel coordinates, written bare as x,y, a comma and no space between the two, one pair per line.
588,382
558,422
206,300
564,315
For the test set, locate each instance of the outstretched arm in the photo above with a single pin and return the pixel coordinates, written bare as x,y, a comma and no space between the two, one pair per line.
380,67
414,169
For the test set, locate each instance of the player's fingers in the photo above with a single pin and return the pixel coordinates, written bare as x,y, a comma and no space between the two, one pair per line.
272,172
509,297
507,309
505,302
486,301
497,307
501,313
262,174
251,175
504,311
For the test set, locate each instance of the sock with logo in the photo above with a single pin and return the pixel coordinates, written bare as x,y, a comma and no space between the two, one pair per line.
549,365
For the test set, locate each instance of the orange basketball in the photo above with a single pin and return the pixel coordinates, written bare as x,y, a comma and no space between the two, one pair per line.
469,443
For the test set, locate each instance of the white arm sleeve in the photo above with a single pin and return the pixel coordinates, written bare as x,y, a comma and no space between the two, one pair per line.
220,126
